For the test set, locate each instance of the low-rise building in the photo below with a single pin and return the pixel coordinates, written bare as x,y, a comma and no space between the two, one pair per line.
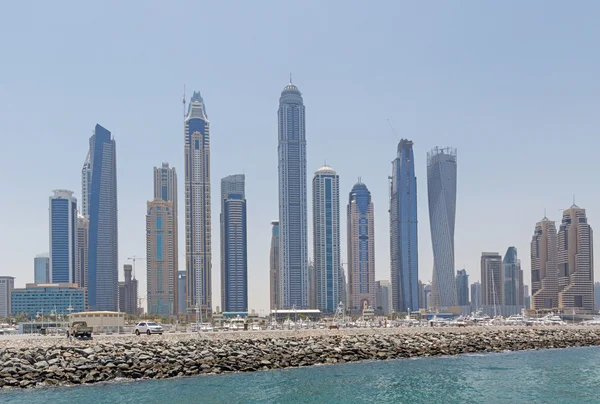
39,299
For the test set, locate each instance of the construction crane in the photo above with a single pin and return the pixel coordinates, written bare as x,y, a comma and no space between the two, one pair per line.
135,258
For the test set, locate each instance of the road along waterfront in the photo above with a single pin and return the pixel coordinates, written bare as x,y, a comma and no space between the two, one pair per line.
37,362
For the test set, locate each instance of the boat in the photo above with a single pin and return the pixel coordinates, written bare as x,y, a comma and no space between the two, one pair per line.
205,327
237,324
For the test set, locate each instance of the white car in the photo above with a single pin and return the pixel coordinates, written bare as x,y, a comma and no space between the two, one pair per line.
148,328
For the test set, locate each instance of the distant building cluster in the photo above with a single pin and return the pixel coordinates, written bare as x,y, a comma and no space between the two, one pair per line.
80,270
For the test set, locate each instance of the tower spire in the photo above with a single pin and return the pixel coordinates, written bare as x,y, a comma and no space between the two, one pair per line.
290,78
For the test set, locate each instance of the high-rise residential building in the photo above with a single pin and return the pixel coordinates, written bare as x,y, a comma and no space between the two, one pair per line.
361,249
161,273
41,268
234,245
47,298
63,236
293,242
403,230
326,238
421,295
575,262
81,265
312,285
197,207
491,280
103,276
441,192
86,184
596,296
427,298
181,282
527,297
476,296
512,279
383,297
274,265
165,188
343,288
544,266
7,284
128,292
462,287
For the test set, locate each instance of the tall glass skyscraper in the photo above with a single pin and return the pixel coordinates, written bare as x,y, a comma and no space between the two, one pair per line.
462,287
197,207
103,227
274,265
441,192
234,245
41,268
293,251
404,248
326,238
361,249
63,236
512,278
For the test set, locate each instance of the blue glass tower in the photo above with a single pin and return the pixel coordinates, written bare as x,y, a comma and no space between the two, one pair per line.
63,248
234,251
326,238
103,239
404,249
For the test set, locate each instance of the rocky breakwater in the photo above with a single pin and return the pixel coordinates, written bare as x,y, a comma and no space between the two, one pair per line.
59,362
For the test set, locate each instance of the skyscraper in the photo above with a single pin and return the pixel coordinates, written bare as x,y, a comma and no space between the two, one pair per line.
491,280
326,238
441,192
343,288
544,266
274,265
575,262
462,287
81,266
165,188
234,245
403,230
361,249
41,268
475,296
181,283
161,273
291,150
382,297
197,206
63,236
103,227
596,296
86,182
128,292
512,276
312,285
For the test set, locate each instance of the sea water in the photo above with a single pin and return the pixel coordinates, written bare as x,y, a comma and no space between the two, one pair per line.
545,376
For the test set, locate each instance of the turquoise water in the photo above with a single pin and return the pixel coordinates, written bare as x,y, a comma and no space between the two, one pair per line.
557,376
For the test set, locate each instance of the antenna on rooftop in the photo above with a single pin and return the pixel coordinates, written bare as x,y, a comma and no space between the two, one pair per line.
392,128
184,101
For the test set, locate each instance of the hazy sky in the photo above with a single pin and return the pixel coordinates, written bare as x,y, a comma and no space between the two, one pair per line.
512,85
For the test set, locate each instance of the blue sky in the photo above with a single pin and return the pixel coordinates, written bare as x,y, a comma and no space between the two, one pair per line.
512,85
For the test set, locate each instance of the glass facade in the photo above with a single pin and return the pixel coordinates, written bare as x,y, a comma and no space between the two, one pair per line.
197,206
35,300
63,248
441,193
404,231
103,228
41,269
293,251
326,239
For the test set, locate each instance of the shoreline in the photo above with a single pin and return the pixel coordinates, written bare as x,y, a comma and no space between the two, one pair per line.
40,362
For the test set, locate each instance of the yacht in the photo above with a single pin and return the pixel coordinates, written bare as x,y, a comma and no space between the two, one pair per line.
552,319
205,327
237,324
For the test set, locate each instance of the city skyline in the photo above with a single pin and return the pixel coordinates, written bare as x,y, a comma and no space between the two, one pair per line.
484,106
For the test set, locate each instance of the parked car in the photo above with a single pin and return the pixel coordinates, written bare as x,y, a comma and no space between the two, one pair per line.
148,327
